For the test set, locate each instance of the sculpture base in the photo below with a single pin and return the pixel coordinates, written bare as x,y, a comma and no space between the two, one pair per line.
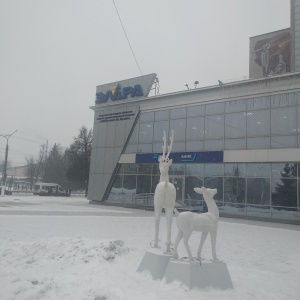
155,262
213,274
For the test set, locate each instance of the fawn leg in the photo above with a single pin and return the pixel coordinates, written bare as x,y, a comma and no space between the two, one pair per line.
186,238
178,239
203,238
213,238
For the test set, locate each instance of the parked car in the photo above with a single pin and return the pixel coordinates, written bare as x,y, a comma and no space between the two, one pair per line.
48,189
6,191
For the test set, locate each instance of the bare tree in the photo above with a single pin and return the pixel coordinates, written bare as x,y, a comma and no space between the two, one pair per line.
31,170
40,162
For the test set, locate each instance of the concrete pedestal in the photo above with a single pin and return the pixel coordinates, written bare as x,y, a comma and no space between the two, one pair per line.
155,262
193,274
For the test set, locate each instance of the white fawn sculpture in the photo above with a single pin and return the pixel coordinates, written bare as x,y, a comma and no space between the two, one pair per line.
207,223
165,193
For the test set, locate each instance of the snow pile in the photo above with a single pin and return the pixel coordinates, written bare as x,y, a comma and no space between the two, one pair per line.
62,250
33,270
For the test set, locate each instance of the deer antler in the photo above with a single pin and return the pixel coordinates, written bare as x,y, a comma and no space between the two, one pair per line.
171,144
164,147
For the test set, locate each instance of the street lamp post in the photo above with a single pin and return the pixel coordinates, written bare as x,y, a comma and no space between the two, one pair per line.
7,136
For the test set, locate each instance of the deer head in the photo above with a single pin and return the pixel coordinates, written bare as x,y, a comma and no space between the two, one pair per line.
206,192
164,161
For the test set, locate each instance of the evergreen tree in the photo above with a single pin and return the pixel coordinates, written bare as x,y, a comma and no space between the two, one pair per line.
77,158
55,167
286,191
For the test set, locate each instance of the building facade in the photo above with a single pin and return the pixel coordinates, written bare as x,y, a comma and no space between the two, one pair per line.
241,138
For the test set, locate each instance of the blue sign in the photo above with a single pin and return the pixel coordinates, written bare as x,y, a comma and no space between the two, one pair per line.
183,157
118,93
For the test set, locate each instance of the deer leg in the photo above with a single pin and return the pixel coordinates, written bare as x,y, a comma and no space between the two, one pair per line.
186,237
203,238
157,220
178,239
169,216
213,239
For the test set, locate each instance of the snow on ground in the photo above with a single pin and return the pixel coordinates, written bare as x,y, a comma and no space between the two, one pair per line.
65,248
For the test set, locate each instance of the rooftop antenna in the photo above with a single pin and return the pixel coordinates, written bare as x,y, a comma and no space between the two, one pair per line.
195,83
187,86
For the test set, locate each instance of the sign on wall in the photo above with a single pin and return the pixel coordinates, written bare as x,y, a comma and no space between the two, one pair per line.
134,88
117,116
183,157
119,93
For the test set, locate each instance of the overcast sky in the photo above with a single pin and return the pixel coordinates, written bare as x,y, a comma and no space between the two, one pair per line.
53,54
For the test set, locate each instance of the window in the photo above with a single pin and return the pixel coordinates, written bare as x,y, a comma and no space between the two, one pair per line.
283,100
194,146
235,144
195,111
196,170
258,103
235,125
159,128
129,184
214,170
215,108
129,168
284,192
258,143
258,123
213,145
144,168
162,115
146,133
283,141
179,129
283,121
258,170
258,191
235,106
214,127
147,117
177,113
235,190
143,184
195,129
235,170
144,148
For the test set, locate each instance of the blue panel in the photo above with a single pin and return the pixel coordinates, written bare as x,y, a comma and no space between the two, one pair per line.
183,157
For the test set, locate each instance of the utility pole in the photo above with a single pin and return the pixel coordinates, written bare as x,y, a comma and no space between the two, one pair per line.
7,136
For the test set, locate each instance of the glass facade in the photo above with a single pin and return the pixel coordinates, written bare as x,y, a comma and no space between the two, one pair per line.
269,190
271,122
266,190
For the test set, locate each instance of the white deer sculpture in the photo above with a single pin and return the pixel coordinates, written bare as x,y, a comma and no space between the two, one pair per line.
207,223
165,193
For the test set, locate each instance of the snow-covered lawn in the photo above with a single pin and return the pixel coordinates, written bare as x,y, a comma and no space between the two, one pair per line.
65,248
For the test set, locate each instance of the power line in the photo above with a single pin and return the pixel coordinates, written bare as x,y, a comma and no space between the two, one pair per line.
127,39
